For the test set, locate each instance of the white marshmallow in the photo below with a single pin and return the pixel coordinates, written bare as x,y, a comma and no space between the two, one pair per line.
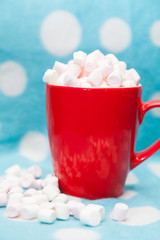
38,184
15,197
97,54
50,76
62,211
35,170
132,75
31,192
28,201
61,198
79,58
13,209
95,78
77,208
92,214
30,211
114,79
121,67
47,215
50,179
129,83
105,70
16,189
90,64
104,85
5,186
27,180
60,67
71,204
3,199
112,58
51,192
41,198
66,79
14,170
48,205
74,70
119,212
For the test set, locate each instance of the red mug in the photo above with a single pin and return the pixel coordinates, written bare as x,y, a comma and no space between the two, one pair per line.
92,133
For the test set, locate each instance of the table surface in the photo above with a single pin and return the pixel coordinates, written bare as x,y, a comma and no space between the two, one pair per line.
141,194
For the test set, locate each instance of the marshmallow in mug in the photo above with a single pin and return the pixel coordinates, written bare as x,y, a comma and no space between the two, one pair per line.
92,70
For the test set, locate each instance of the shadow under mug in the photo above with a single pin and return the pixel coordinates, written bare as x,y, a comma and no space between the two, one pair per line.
92,133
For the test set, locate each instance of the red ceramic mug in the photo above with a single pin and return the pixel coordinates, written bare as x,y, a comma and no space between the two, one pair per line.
92,133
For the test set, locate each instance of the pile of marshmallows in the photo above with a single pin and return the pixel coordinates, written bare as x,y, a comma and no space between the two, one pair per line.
92,70
25,195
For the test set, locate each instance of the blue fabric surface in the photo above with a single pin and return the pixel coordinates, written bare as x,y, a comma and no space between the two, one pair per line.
22,96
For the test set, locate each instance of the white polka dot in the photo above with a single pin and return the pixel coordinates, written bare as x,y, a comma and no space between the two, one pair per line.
128,194
131,179
155,33
61,33
140,216
12,78
34,146
76,233
115,35
155,168
156,111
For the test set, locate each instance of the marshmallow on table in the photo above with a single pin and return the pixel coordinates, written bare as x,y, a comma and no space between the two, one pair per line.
13,209
48,205
31,192
50,76
15,197
74,69
62,211
71,204
129,83
5,186
60,67
77,208
46,215
3,199
61,198
28,201
95,78
119,212
16,189
35,170
41,198
79,58
132,75
30,211
27,180
50,179
51,192
92,214
14,170
114,79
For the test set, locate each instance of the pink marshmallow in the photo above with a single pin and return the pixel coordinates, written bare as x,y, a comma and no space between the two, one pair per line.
14,210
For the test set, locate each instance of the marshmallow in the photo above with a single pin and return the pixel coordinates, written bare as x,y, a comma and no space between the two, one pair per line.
27,180
74,70
29,200
97,54
129,83
16,189
104,85
60,67
14,170
13,210
3,199
90,64
51,192
112,58
114,79
92,214
47,215
61,198
68,80
30,211
121,67
38,184
30,192
77,208
15,197
95,78
132,75
119,212
41,198
84,82
62,211
35,170
71,204
105,70
79,58
50,179
50,76
5,186
48,205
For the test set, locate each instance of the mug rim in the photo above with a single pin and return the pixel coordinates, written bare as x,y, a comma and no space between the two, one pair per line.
93,88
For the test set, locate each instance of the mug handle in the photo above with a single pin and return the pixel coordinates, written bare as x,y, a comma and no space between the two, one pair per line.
139,157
